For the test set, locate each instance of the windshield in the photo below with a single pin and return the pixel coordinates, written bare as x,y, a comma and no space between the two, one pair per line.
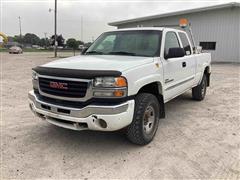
130,43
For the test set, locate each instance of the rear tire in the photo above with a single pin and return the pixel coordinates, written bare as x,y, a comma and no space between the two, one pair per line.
199,92
145,120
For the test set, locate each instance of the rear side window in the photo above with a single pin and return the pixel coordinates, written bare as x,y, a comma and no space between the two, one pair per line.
185,43
171,41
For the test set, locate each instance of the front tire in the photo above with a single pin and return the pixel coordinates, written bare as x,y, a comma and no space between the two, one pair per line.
199,92
145,120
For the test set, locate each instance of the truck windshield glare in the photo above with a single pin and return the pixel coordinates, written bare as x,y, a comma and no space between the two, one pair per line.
127,43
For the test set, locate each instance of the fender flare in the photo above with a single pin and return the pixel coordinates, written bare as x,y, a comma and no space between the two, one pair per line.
148,80
205,65
158,94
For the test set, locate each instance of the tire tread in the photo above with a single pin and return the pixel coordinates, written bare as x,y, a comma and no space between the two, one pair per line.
196,91
134,130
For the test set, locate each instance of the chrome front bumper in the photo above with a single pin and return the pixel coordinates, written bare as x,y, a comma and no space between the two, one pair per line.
92,117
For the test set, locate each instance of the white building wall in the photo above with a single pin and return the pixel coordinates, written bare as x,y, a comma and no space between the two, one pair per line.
221,26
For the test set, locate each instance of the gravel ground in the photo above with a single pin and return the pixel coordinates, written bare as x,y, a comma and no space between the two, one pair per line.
195,140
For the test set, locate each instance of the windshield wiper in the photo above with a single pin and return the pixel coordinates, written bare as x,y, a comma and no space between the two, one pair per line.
94,52
122,53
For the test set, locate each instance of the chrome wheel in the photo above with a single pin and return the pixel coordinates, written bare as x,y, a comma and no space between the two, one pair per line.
148,119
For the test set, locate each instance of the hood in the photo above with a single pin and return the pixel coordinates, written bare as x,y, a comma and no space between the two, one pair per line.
100,62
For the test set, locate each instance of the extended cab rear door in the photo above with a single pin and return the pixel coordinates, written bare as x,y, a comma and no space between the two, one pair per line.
189,60
179,71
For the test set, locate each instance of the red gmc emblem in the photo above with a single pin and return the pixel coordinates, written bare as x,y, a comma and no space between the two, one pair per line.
58,85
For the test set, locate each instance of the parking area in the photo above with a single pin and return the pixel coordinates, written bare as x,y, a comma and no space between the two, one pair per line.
195,140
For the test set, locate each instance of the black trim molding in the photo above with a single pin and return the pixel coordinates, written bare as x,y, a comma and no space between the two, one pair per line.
75,73
178,84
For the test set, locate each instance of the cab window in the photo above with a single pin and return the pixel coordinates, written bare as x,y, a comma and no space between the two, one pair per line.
171,41
185,43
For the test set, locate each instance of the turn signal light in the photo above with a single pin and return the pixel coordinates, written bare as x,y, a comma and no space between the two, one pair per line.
120,82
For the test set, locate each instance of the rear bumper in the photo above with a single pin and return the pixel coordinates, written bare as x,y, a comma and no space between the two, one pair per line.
92,117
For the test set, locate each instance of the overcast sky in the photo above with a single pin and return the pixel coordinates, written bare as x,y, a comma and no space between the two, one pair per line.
37,19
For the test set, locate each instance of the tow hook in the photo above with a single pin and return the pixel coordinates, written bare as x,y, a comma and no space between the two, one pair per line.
76,125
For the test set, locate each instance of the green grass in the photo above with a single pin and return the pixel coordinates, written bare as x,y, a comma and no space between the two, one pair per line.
3,50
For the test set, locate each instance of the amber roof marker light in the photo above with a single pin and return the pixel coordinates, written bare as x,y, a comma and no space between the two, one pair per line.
183,22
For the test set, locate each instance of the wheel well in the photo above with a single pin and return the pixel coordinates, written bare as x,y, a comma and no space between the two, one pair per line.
207,73
155,88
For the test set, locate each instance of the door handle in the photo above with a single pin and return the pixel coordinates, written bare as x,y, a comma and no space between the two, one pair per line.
184,64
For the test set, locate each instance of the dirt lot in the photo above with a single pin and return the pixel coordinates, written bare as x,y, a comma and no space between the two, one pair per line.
195,140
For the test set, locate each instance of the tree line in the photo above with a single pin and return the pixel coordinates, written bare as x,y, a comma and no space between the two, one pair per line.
33,39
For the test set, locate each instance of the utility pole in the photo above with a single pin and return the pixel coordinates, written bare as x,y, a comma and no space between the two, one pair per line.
20,27
45,34
55,29
81,28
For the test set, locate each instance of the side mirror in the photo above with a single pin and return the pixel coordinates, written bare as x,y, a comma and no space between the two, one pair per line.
84,50
175,53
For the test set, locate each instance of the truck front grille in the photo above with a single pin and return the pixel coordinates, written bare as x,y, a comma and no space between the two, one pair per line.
64,88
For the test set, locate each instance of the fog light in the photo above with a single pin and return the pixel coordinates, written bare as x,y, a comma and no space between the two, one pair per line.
103,94
110,93
102,123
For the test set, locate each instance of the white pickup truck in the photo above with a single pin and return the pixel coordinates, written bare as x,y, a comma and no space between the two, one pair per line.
122,81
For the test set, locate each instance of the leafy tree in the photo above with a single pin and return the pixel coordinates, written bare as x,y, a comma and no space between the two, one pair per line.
72,43
18,39
44,42
88,44
52,40
60,40
31,38
80,42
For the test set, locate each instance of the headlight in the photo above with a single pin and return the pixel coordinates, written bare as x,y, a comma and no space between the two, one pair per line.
110,87
34,75
108,82
35,80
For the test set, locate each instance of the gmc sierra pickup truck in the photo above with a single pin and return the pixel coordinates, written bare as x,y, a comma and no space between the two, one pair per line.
122,81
